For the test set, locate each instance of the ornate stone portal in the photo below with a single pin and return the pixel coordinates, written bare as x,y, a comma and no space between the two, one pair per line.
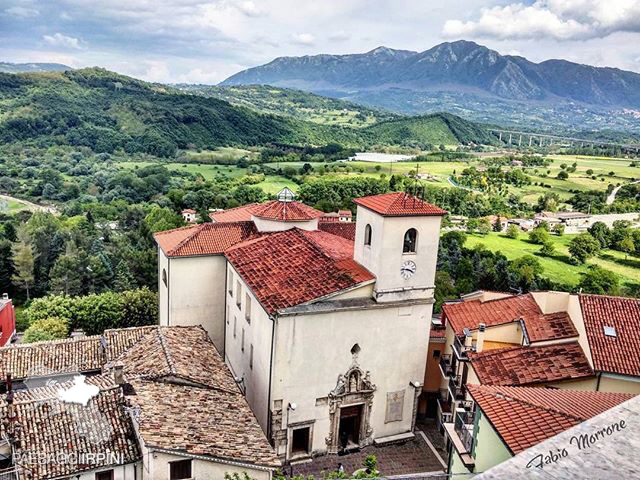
353,389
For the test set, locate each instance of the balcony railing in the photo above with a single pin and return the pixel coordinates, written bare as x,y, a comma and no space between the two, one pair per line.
463,425
9,474
462,350
444,412
446,365
456,387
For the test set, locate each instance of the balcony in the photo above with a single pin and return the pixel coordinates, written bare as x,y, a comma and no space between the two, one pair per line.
444,411
456,387
463,426
446,365
461,350
9,474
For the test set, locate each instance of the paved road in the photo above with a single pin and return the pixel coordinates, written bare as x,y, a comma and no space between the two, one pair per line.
612,196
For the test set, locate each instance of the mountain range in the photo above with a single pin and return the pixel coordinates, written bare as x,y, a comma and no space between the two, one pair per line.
464,74
8,67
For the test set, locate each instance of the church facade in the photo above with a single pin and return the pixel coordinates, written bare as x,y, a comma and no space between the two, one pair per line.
325,330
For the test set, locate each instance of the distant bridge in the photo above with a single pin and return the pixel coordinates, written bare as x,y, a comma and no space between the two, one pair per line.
514,137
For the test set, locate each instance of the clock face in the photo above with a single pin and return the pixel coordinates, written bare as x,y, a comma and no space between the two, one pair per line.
407,269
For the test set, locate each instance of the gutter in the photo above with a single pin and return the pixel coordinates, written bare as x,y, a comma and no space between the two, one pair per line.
598,382
210,458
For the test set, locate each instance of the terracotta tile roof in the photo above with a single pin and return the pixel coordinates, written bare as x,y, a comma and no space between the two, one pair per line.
119,340
342,229
49,427
82,353
437,332
237,214
204,239
292,267
528,365
399,204
525,416
619,354
184,353
286,211
200,421
469,314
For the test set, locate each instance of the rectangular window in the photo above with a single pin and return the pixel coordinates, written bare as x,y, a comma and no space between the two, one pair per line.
180,470
106,475
436,354
235,324
247,307
242,341
230,283
238,294
251,357
300,444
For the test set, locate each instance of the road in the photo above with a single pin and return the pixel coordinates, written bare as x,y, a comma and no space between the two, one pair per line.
612,196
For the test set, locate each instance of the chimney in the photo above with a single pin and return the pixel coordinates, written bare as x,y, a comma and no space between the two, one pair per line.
118,374
5,296
480,337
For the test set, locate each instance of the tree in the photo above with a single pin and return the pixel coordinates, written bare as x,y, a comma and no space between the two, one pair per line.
600,281
601,233
23,260
539,235
484,227
562,175
472,225
525,271
626,245
512,231
68,275
160,219
558,229
583,247
46,329
123,277
497,224
548,248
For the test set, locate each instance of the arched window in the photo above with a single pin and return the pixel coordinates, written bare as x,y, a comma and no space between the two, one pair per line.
367,235
410,237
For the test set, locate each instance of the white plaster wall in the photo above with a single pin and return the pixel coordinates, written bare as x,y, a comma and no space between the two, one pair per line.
551,302
121,472
264,225
163,290
312,350
384,257
257,333
197,294
157,468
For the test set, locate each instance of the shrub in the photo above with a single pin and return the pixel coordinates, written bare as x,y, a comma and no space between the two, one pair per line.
512,231
46,329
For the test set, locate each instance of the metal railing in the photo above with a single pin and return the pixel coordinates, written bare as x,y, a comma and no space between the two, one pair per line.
463,425
446,365
9,474
462,350
456,387
444,412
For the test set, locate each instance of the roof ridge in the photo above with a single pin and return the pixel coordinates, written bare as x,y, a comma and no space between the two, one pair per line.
165,350
595,295
185,227
197,229
58,341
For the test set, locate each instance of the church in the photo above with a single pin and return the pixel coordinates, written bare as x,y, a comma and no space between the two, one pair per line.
324,325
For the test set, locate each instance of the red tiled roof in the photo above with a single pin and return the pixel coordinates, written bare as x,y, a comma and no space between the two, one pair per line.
286,211
525,416
204,239
398,204
619,354
342,229
188,210
539,326
527,365
237,214
292,267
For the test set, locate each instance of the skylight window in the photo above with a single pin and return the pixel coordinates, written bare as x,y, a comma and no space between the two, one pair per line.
610,331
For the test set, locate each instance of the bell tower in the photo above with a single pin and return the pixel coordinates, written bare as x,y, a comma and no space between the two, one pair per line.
397,239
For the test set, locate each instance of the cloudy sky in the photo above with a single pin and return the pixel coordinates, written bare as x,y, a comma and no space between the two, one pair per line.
201,41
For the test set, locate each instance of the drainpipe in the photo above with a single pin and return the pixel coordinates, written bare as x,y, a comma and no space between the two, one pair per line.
273,335
598,383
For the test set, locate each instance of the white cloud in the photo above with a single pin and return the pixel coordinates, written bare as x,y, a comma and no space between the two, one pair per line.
303,39
339,36
60,40
22,12
250,9
557,19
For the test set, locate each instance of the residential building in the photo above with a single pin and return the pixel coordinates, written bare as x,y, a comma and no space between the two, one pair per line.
302,309
506,421
7,320
339,216
189,215
165,407
542,339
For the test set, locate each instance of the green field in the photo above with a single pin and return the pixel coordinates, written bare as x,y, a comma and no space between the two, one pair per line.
11,205
558,268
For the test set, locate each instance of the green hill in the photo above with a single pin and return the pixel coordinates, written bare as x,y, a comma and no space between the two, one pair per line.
434,129
293,103
110,112
107,112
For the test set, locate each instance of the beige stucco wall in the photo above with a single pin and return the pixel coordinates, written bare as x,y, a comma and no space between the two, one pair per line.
157,468
620,384
489,449
195,294
312,350
122,472
257,333
264,225
586,384
384,256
